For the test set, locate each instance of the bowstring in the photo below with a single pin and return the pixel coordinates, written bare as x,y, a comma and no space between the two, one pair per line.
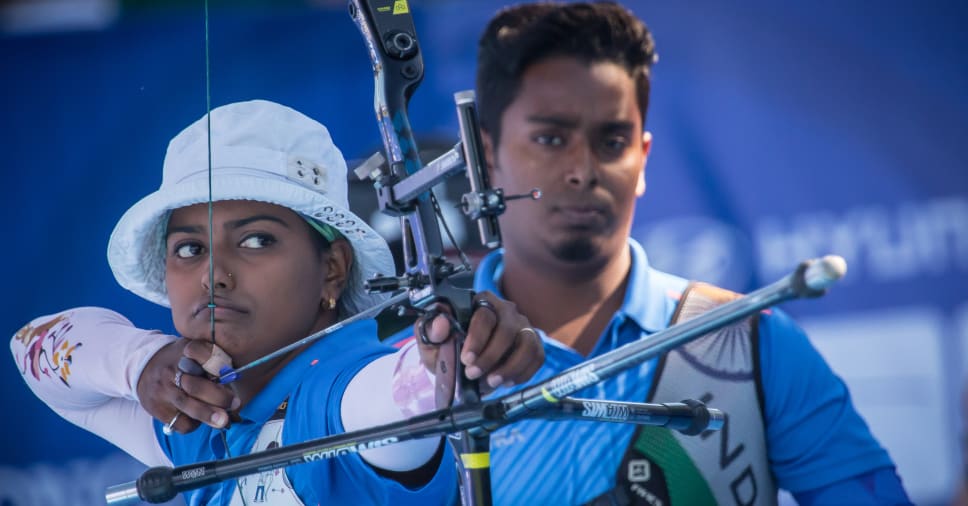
211,234
208,120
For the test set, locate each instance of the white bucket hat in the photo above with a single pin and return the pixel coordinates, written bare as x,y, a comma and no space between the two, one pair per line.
260,151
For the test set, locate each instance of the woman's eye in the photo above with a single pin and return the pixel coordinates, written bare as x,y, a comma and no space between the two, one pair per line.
256,241
188,250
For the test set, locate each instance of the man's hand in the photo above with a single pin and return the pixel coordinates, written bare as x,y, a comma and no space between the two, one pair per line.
500,347
198,399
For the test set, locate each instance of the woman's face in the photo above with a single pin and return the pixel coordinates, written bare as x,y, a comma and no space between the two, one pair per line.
270,277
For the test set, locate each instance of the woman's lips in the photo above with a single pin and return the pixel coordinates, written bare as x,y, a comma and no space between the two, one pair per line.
222,310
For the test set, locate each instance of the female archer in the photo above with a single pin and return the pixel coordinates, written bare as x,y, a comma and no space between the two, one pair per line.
250,242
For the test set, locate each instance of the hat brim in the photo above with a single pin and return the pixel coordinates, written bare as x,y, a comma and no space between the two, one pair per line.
136,250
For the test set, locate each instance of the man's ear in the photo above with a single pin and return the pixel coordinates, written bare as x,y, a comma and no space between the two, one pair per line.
646,148
339,261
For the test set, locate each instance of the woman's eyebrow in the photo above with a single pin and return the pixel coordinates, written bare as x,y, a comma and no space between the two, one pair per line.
259,217
198,229
185,229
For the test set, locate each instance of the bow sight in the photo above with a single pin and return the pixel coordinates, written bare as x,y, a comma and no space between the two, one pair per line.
404,185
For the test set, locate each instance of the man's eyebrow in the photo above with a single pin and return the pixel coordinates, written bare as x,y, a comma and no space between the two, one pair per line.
563,122
553,121
618,125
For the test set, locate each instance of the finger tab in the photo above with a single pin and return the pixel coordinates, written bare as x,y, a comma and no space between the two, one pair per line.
217,362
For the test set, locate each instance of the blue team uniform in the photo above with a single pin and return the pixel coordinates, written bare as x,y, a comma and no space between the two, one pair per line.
312,385
816,444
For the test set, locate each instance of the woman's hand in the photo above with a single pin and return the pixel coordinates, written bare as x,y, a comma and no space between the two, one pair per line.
194,399
501,348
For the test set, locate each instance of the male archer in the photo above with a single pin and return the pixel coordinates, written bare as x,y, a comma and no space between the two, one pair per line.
563,91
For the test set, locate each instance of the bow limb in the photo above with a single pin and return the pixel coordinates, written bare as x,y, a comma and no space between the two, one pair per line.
391,41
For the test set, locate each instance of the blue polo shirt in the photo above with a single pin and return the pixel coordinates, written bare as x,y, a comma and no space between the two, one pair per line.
815,437
313,383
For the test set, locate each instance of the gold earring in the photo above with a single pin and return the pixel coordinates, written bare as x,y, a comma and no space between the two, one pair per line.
330,303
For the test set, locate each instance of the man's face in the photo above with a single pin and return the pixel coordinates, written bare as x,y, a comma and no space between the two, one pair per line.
574,131
268,274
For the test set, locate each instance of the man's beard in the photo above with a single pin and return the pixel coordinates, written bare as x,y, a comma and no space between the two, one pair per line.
575,250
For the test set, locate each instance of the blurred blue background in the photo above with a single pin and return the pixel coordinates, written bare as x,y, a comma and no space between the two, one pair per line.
782,131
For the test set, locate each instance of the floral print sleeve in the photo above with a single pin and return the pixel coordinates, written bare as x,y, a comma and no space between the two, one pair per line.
84,363
46,350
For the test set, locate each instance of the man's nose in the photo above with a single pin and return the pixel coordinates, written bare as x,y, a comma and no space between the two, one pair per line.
582,169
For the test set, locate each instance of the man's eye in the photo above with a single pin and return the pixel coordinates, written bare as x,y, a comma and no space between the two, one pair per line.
550,140
616,143
188,250
256,241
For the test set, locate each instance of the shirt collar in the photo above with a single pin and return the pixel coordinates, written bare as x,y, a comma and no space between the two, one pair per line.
645,301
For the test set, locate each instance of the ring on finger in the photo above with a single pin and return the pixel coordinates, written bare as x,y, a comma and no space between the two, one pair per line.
427,319
167,429
486,304
526,330
178,377
517,339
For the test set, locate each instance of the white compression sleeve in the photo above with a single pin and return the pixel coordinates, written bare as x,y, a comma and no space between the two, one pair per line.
85,363
389,389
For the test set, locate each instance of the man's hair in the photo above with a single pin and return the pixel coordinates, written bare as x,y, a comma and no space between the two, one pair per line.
520,36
